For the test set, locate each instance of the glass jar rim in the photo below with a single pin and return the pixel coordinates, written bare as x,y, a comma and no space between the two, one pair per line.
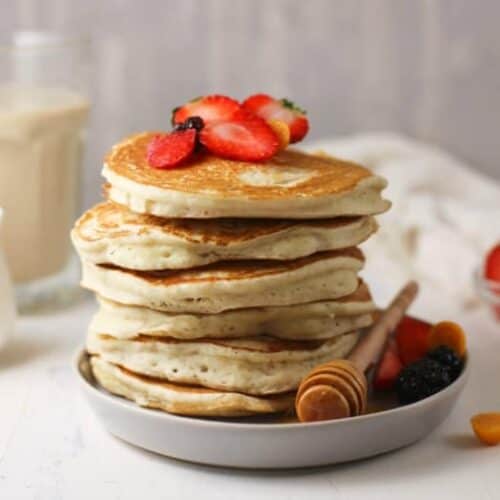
41,40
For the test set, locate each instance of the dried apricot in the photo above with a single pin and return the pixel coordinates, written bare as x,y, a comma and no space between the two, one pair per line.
282,132
486,426
449,334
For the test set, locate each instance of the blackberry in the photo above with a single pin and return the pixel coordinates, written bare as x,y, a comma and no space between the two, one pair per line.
421,379
447,357
194,122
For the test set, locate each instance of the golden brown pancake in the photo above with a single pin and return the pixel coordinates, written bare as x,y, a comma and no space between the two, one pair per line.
292,184
231,285
184,399
315,320
110,234
259,365
239,270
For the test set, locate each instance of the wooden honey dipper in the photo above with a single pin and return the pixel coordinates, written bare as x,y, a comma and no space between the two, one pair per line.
339,389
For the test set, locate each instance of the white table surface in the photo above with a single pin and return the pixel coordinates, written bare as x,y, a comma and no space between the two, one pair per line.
53,447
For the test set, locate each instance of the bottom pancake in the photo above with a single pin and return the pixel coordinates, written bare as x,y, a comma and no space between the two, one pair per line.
184,400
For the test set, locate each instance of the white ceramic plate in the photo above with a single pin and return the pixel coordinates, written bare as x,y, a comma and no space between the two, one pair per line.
258,445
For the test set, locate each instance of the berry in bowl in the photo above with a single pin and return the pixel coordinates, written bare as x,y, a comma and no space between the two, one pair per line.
422,360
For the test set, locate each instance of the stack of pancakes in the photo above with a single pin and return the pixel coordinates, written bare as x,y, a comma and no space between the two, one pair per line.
222,283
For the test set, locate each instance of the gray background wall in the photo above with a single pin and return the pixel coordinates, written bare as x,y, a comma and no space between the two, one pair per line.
428,68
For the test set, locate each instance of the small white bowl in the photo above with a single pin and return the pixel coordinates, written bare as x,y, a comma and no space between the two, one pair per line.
256,445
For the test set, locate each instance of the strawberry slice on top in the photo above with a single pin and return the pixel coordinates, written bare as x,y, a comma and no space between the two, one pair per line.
245,137
209,108
284,110
170,150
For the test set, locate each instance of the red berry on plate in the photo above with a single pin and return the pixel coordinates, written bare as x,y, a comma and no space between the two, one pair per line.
284,110
412,338
245,137
492,273
389,368
492,264
169,150
209,108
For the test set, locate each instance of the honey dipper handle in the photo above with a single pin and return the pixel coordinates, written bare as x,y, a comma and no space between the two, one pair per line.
371,346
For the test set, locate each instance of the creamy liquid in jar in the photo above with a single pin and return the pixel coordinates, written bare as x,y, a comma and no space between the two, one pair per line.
41,134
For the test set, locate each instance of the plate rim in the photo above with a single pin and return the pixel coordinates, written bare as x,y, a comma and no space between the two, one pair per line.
252,426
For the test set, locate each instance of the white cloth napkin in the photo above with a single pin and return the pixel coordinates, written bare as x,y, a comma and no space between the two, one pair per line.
444,217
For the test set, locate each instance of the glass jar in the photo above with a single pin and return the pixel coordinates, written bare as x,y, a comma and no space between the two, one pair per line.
43,116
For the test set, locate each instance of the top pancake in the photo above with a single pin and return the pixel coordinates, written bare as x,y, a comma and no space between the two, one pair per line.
290,185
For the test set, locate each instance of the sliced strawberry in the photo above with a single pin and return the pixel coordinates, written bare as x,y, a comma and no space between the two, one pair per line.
210,108
245,137
412,338
169,150
389,368
269,108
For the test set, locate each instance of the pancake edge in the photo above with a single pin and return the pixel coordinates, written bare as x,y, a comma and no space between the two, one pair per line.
205,404
329,278
159,250
161,202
